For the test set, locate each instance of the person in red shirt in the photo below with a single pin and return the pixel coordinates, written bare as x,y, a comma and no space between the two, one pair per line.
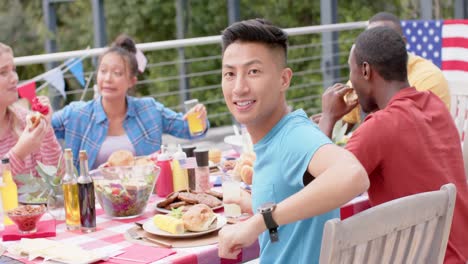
409,144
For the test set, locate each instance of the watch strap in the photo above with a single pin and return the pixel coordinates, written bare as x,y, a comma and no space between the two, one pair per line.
271,225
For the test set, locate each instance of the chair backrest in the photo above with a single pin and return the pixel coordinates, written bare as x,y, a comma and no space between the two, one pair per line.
459,111
412,229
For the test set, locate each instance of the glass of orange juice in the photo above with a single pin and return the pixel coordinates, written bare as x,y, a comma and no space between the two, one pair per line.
194,122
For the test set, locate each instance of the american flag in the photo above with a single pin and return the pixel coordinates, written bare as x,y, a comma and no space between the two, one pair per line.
444,42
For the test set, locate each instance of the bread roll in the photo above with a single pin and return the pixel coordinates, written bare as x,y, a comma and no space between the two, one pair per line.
33,119
198,218
247,174
214,155
121,158
351,97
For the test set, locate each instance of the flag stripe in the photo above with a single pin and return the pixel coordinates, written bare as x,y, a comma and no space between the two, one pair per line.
455,21
454,65
455,42
454,53
454,30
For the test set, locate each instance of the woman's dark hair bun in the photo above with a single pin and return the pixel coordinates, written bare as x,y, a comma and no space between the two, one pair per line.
125,42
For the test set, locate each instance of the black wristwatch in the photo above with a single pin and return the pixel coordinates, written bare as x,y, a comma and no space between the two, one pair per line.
266,209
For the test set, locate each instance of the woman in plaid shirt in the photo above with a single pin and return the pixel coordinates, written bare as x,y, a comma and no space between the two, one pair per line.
115,121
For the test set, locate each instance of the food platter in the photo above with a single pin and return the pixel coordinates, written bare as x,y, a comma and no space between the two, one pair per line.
149,227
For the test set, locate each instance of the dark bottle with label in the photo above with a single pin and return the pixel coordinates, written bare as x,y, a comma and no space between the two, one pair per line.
86,196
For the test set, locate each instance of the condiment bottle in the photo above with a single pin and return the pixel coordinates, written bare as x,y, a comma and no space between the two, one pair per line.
9,190
179,174
164,185
190,165
202,171
86,196
70,193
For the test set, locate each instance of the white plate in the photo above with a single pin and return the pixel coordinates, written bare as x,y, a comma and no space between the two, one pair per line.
166,211
149,227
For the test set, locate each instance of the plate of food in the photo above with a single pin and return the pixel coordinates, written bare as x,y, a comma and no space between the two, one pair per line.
188,199
197,221
31,200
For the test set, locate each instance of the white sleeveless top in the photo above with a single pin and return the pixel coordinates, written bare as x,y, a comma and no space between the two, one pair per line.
111,144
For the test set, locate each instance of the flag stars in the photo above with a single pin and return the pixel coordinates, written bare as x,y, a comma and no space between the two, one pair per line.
436,54
408,31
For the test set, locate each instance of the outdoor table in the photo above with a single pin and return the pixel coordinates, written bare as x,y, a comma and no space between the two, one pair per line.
110,234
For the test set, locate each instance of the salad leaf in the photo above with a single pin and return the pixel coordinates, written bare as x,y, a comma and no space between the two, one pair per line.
177,212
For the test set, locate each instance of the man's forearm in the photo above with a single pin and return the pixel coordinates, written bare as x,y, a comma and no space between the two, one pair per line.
326,125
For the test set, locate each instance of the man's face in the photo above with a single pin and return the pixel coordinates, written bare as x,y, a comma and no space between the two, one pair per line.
254,81
358,75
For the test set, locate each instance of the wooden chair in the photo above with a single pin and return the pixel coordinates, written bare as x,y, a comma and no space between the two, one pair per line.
412,229
459,111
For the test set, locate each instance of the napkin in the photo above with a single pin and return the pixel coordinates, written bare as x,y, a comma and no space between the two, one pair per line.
142,253
44,229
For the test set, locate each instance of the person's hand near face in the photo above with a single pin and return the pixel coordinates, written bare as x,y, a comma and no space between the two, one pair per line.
31,139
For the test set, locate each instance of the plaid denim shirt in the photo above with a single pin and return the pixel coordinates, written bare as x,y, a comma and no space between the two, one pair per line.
84,125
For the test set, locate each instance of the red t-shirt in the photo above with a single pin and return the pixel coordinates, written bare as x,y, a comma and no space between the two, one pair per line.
413,146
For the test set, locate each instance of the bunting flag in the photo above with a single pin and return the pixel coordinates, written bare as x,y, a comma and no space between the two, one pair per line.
141,61
55,78
444,42
27,91
76,68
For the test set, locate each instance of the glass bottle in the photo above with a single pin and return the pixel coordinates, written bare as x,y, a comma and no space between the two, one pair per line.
179,173
202,171
9,190
86,196
190,165
70,192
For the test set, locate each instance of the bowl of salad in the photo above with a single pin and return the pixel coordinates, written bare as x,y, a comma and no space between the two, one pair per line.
124,191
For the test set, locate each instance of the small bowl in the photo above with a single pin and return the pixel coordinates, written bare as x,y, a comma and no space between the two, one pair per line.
235,141
124,191
26,217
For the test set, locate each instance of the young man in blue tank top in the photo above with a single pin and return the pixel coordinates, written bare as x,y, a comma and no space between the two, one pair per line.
300,178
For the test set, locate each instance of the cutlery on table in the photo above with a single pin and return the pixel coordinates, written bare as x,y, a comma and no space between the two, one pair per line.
134,235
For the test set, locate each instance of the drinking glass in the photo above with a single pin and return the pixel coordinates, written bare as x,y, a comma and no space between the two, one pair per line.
194,122
231,191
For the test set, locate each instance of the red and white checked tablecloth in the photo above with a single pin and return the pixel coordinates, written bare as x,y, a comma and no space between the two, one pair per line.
110,237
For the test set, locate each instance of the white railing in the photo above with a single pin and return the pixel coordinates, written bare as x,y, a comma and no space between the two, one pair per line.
161,78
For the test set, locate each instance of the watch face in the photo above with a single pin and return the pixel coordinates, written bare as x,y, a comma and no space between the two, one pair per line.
268,206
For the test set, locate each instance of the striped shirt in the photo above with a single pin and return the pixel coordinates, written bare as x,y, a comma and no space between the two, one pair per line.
48,153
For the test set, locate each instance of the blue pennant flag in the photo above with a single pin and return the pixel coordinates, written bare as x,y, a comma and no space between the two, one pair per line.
77,69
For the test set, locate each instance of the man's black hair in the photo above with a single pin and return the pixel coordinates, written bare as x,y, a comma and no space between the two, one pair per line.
384,50
256,30
388,17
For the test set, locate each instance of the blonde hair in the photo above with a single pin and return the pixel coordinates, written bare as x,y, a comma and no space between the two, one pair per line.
15,121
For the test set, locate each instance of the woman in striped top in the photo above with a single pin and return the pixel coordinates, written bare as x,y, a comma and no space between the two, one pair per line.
20,142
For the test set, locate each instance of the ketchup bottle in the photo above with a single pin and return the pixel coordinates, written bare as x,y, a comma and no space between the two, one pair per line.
164,184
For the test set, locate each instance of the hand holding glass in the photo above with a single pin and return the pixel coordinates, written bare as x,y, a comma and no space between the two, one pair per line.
195,123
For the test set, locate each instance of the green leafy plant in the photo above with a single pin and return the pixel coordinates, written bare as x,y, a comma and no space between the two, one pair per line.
37,189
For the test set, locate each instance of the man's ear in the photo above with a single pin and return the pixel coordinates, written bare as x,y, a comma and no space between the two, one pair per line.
286,76
366,70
